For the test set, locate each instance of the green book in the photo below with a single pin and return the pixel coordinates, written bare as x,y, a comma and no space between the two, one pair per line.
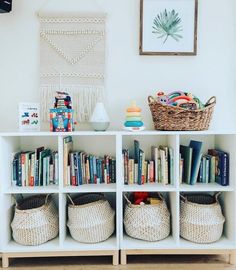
212,169
186,153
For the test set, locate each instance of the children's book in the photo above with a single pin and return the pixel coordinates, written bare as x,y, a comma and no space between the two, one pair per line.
196,160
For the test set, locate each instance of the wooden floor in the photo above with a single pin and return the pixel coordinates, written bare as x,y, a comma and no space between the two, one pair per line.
134,263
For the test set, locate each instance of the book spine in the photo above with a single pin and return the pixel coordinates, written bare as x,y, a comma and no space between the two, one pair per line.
113,174
72,170
44,171
136,173
56,174
94,170
91,169
224,168
32,171
80,173
75,157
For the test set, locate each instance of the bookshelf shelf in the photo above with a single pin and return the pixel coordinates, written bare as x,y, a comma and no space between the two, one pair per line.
213,187
149,187
112,143
90,188
31,190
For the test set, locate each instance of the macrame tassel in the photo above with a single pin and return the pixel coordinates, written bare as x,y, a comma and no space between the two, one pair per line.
83,97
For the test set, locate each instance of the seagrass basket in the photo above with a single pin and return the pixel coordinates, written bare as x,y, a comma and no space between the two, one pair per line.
35,220
176,119
91,218
147,222
201,218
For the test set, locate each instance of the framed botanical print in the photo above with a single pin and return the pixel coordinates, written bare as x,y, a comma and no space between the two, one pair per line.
168,27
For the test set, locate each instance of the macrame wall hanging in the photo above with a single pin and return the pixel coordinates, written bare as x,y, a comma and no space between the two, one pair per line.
72,59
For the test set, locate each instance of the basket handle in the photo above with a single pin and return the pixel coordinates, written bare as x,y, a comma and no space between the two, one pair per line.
183,198
211,101
161,196
15,200
151,99
69,197
216,195
127,200
46,199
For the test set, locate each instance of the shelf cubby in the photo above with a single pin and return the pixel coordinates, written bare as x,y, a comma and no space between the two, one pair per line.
13,144
9,244
223,142
146,141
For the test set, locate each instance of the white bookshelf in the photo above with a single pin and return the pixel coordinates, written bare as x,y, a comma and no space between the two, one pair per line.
112,143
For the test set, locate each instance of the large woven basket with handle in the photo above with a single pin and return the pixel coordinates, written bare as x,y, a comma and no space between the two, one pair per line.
175,118
147,222
35,220
91,218
201,218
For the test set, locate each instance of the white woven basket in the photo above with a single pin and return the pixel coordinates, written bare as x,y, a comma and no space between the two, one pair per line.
201,218
147,222
35,221
91,219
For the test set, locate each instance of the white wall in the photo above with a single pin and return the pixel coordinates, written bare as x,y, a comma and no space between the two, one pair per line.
129,76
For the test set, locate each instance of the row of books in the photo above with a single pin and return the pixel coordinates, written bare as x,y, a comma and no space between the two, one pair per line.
81,168
203,168
138,170
35,168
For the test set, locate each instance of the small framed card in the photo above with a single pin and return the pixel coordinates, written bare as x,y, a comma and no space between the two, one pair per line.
29,116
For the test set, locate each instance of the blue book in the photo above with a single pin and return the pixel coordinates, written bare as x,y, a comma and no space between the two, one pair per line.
79,172
201,172
136,151
91,169
140,166
196,160
222,166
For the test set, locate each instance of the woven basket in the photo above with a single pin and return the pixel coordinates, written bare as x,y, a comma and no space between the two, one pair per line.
35,221
175,118
91,219
147,222
201,218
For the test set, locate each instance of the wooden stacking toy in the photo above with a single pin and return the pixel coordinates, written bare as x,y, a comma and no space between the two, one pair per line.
133,121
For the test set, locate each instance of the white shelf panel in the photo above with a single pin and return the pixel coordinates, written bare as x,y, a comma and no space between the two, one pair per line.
71,245
49,246
204,187
154,187
90,188
118,132
132,243
33,190
223,243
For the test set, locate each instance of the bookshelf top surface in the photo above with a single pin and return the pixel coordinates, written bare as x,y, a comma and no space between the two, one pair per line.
113,133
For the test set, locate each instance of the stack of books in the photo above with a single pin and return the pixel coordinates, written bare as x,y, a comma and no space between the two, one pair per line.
36,168
138,170
195,166
82,168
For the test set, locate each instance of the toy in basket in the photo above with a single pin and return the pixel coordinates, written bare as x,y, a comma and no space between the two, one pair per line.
149,222
61,117
201,218
180,111
35,220
91,218
133,121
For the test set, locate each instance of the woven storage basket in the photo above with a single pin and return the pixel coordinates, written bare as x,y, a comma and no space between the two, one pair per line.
175,118
91,219
201,218
147,222
35,221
